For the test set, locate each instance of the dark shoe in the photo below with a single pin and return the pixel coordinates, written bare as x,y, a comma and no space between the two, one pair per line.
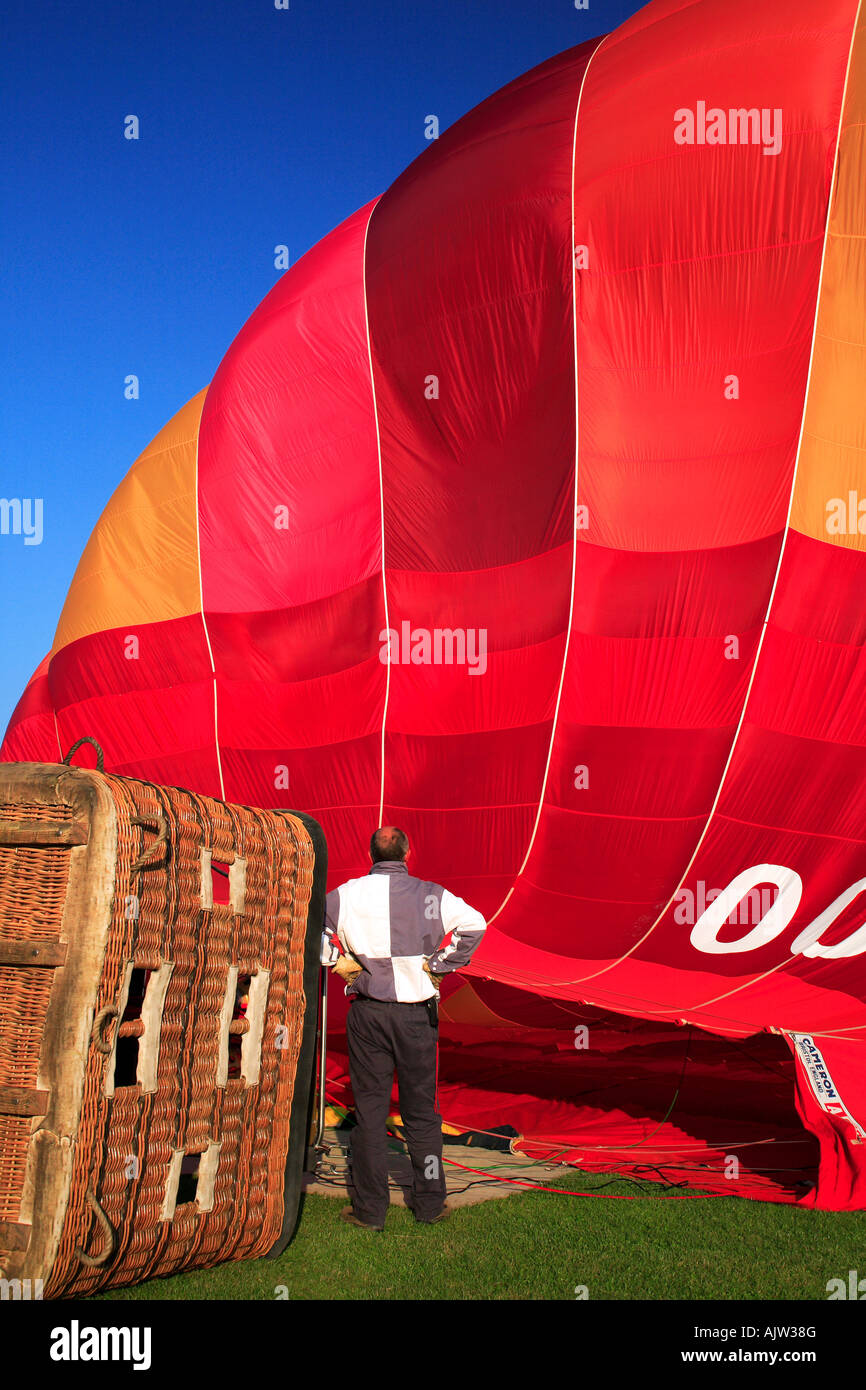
431,1220
348,1215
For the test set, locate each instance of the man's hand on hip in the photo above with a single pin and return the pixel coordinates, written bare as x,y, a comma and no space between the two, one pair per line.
347,969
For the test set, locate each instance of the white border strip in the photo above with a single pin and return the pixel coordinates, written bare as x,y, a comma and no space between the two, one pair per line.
381,509
201,604
574,540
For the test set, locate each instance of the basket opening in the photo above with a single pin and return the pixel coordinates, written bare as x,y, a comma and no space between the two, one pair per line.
126,1052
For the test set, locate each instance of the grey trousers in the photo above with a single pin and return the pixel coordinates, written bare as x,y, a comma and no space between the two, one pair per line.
383,1036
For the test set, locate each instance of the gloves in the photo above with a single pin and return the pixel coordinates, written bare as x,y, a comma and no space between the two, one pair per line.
348,969
437,979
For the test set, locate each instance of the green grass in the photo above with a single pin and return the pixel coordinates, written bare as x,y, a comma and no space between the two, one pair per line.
541,1246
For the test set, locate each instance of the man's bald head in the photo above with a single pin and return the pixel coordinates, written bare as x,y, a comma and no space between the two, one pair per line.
389,844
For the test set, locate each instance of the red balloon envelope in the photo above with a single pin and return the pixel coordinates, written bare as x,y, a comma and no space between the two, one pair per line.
525,513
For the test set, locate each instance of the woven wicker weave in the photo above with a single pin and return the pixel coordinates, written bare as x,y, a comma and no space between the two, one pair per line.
119,1015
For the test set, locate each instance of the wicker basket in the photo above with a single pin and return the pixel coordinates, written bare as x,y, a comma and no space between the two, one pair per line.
158,962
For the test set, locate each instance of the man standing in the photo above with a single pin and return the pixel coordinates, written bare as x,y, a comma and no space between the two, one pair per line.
391,928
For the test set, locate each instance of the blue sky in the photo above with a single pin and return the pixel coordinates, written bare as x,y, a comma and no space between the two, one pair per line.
258,127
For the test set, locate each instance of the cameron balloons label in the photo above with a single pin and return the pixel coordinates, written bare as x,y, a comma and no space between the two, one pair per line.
820,1080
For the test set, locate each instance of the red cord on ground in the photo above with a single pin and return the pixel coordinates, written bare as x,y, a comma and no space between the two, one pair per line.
559,1192
608,1196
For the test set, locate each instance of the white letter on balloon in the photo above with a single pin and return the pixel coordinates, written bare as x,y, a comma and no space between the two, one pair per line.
705,932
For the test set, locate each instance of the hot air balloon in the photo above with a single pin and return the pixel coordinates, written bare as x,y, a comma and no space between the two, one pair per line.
525,514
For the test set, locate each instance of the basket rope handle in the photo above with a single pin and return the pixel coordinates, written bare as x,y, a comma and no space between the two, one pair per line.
94,1261
100,756
100,1042
158,823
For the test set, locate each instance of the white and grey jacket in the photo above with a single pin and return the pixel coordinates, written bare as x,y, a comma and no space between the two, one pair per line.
392,923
